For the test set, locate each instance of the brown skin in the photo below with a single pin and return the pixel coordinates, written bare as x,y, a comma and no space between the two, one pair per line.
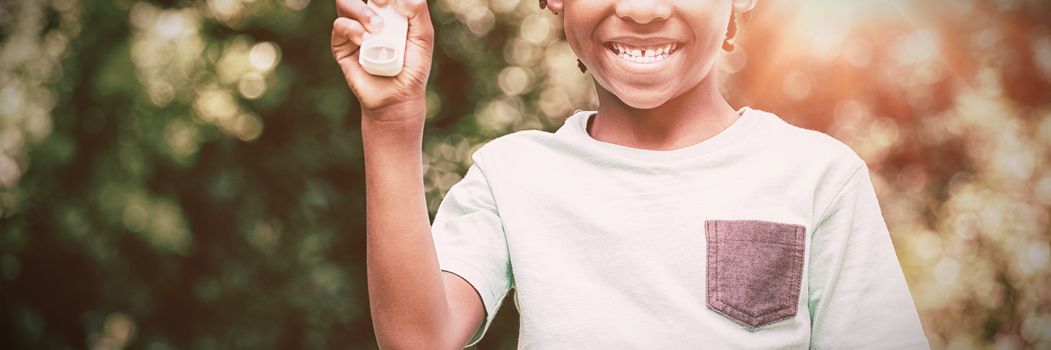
668,108
413,304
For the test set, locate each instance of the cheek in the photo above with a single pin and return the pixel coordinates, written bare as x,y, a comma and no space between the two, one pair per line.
578,36
580,19
709,31
707,18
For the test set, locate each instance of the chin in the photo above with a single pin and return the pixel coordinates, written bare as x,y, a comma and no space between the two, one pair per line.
642,97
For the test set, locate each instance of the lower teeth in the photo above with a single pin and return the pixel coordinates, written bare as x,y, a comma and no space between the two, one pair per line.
643,59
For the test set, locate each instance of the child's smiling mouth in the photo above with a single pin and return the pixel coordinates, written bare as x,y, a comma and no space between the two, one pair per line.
643,56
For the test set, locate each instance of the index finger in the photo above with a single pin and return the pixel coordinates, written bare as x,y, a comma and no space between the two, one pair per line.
357,10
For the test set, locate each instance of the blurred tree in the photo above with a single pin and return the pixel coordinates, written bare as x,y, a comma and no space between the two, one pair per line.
188,174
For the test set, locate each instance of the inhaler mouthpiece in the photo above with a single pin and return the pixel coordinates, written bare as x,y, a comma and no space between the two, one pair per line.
383,53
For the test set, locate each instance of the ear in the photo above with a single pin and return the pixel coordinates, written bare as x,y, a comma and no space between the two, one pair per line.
742,6
555,6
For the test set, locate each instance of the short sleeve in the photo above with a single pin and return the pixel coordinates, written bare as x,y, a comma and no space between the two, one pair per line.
470,242
858,296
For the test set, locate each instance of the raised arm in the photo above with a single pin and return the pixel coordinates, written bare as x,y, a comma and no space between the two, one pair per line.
414,305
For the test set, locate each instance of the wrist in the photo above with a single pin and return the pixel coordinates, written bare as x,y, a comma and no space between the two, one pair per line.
406,111
395,127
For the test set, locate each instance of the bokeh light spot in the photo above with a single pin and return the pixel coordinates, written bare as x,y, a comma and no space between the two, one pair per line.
252,85
297,4
264,56
536,29
514,80
797,85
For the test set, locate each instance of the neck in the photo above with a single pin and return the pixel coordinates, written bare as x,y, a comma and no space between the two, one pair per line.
688,119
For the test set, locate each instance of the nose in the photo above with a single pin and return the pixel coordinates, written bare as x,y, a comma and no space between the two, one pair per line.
643,11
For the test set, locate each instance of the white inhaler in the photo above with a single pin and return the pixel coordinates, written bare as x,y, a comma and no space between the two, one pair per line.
383,53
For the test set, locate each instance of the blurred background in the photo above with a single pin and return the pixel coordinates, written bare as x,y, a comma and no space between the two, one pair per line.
188,174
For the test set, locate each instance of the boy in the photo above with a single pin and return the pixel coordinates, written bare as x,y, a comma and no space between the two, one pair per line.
665,219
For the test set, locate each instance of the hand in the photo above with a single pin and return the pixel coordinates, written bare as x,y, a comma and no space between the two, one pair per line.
378,95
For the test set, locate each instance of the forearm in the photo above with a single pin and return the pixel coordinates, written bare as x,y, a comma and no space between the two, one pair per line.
406,292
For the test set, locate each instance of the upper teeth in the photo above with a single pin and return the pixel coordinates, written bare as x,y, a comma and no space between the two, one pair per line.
643,54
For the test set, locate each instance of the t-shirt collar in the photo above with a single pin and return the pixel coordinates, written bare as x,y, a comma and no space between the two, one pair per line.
576,127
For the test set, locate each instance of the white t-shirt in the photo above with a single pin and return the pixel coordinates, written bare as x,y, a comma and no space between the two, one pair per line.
763,236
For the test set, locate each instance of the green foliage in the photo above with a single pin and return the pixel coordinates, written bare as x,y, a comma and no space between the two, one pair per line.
188,174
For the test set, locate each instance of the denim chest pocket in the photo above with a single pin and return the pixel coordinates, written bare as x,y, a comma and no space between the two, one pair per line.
754,270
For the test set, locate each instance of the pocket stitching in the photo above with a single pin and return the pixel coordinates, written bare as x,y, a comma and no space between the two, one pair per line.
797,247
723,303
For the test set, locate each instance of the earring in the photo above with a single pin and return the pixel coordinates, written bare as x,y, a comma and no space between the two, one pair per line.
731,32
583,68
